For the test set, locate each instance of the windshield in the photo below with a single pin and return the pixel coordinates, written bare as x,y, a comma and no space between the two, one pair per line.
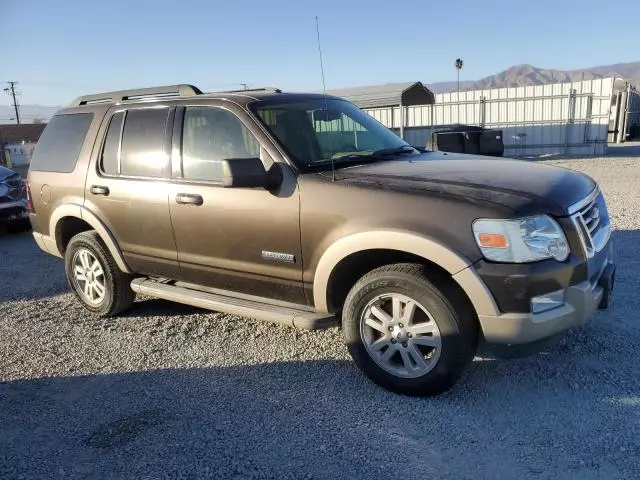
317,131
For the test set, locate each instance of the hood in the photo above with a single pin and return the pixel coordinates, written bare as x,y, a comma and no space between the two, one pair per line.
525,187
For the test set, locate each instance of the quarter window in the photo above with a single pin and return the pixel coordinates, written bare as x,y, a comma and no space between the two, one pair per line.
110,163
60,143
209,136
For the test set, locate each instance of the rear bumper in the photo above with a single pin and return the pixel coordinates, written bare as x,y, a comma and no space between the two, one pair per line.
581,300
11,211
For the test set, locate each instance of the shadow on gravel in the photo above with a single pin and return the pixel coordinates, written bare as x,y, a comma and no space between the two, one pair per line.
26,272
630,149
156,307
314,419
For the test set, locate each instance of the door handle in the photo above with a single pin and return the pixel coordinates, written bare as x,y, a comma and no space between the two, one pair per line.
189,199
99,190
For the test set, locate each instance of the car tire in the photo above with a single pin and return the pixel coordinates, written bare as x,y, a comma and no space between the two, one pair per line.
405,333
106,290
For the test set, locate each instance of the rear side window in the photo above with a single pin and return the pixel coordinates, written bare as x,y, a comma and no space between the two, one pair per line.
142,152
110,163
60,143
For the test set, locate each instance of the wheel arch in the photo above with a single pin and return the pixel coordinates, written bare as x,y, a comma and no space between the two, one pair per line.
76,214
397,247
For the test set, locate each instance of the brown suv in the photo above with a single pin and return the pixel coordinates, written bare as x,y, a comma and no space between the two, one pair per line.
301,209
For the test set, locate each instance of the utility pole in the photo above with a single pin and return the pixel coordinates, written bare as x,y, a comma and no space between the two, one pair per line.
11,90
459,64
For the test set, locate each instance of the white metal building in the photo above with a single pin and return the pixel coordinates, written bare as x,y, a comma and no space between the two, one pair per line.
565,118
17,155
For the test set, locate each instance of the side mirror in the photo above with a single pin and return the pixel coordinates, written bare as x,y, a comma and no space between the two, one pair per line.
244,173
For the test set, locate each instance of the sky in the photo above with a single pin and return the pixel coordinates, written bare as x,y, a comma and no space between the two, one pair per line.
57,50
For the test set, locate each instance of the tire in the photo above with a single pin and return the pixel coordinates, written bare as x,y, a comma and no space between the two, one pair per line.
434,345
117,295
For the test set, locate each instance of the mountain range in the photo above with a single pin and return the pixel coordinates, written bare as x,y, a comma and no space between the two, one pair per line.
516,76
524,75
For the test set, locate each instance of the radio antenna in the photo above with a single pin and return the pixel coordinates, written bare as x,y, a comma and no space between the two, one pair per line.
326,104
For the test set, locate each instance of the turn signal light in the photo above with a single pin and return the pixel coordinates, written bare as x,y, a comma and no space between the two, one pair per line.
493,240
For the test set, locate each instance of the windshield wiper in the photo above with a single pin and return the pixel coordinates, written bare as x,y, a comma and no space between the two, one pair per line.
385,152
361,158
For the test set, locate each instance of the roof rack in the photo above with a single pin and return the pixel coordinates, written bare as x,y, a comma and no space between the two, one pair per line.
182,90
261,89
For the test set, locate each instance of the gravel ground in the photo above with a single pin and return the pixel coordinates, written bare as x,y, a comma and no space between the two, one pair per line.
168,391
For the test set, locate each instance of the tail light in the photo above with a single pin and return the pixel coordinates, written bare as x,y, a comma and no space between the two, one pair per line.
30,208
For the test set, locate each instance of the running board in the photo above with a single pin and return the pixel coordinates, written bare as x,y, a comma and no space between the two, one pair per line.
301,319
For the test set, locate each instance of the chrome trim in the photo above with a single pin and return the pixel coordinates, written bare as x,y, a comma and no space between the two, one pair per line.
579,205
592,244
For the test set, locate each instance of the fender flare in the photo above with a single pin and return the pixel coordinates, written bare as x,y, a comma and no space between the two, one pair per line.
458,266
78,211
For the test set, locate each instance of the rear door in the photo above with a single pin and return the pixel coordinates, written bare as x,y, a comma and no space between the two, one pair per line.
245,240
128,190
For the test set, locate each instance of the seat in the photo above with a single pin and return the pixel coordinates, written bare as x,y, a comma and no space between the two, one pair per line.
295,131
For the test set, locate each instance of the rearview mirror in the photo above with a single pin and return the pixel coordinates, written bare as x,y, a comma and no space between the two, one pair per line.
327,115
244,173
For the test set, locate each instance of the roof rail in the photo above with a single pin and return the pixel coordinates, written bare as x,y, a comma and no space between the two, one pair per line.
261,89
183,90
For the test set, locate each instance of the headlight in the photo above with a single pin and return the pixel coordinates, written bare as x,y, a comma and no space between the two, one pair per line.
521,240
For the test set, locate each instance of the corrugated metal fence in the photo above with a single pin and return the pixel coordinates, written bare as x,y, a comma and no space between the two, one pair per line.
563,118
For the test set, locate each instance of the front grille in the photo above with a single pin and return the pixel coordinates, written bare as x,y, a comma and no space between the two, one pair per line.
594,225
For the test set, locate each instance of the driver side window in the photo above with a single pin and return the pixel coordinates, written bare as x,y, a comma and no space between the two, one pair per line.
210,135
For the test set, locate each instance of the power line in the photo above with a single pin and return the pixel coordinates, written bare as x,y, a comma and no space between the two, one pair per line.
11,90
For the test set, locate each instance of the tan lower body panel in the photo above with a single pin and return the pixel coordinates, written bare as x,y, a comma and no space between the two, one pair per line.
46,244
519,328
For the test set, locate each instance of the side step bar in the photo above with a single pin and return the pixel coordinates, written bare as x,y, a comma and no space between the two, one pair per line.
301,319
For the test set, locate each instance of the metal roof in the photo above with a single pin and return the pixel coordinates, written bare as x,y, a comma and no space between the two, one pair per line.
387,95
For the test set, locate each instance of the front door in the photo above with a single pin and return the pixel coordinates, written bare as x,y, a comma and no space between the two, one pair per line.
129,190
244,240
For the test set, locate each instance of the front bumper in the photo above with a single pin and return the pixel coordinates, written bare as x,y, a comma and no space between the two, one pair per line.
581,300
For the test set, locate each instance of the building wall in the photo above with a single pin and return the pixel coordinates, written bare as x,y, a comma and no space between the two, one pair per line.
28,132
18,154
563,118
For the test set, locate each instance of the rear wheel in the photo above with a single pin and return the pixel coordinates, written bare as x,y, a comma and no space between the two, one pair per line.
406,334
94,277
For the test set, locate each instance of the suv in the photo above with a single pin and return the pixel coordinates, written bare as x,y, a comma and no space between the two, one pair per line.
13,200
302,209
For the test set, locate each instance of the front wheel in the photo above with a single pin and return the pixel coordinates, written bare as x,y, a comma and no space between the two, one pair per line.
94,277
406,334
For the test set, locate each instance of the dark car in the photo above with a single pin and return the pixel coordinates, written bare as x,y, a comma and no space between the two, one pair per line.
13,200
302,209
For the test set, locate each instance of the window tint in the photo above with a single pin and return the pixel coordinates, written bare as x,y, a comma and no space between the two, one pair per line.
210,135
111,144
60,143
321,131
143,153
343,134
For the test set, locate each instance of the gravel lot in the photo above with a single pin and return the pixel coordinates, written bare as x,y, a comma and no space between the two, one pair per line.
169,391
